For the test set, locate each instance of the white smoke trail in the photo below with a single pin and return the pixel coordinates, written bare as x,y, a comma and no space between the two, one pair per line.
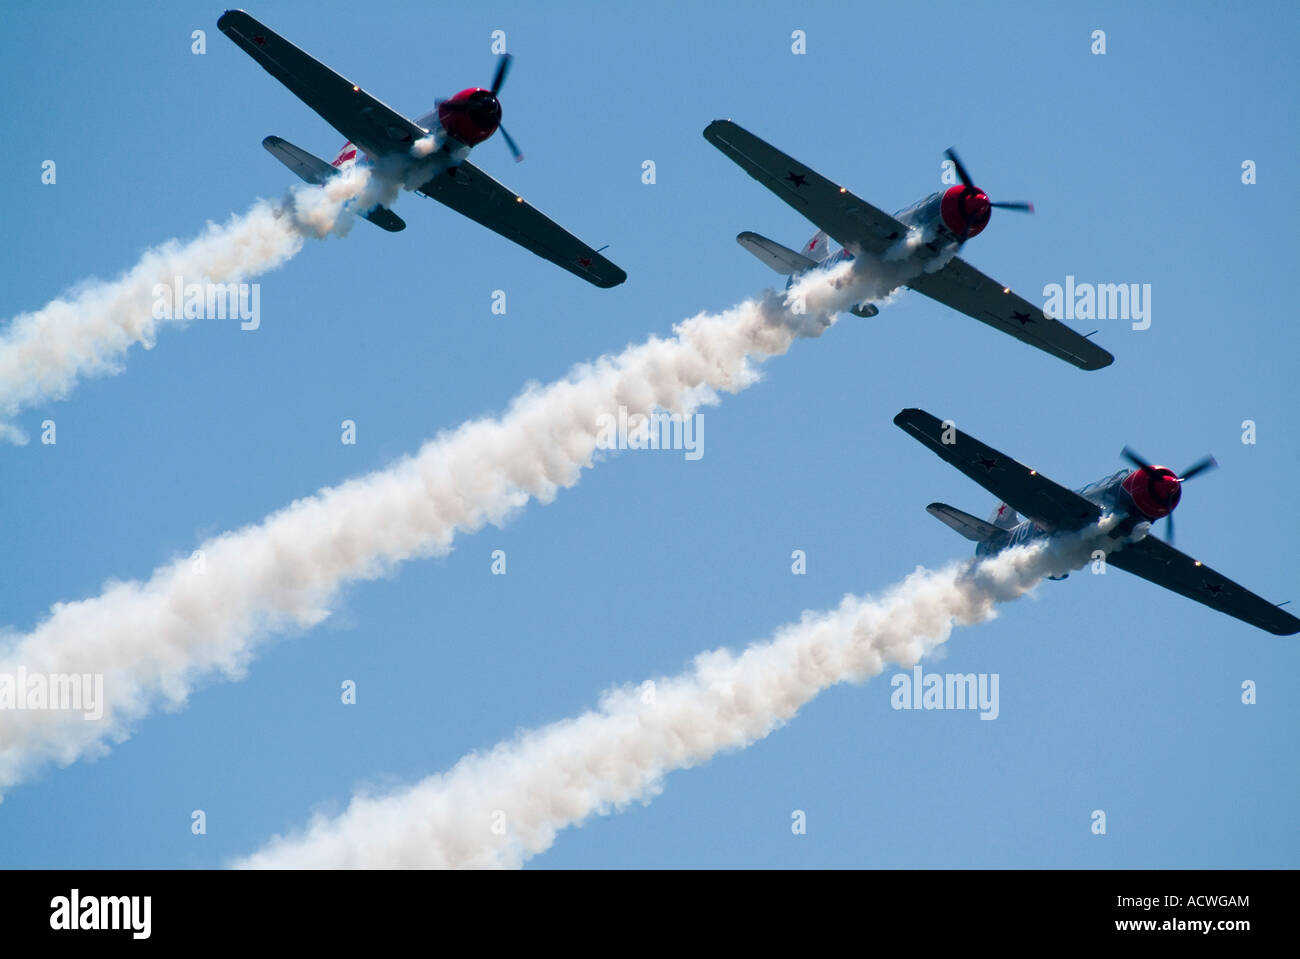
153,640
88,332
500,807
874,278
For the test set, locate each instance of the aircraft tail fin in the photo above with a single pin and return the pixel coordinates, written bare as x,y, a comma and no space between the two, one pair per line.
1004,517
782,259
974,529
819,247
315,170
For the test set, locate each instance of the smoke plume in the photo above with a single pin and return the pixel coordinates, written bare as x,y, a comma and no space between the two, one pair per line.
153,640
500,807
88,331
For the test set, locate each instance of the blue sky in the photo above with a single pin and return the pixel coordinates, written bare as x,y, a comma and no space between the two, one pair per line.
1114,695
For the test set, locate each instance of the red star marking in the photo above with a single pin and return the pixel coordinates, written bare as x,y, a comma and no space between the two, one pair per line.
584,262
260,41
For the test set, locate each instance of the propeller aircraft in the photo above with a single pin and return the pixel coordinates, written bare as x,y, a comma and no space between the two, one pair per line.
943,222
430,151
1138,496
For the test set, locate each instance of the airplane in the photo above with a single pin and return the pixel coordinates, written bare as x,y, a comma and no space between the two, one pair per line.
1136,496
379,136
945,221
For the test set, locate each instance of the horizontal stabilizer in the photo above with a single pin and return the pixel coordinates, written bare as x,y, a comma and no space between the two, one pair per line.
315,170
310,168
973,528
782,259
385,219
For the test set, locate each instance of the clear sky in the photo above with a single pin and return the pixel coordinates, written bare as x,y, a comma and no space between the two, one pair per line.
1114,694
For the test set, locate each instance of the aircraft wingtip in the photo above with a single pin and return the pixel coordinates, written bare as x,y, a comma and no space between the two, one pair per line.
1100,364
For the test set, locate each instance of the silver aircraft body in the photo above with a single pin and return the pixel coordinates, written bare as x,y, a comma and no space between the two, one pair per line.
1136,497
926,235
428,155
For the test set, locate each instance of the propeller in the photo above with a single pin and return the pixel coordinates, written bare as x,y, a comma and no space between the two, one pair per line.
1153,473
971,190
485,107
510,142
1205,463
962,175
498,81
503,67
1135,458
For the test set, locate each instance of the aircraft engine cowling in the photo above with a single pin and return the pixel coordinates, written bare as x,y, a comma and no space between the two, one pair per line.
965,210
471,116
1154,490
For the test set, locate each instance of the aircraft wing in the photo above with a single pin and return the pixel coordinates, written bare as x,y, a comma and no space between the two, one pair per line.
376,128
850,220
965,289
473,193
1050,505
1158,562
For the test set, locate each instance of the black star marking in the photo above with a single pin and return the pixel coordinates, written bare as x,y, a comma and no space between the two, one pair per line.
798,179
989,463
1214,589
1023,318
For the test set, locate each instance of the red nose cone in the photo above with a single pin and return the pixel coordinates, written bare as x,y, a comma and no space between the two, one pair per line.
471,116
1155,491
965,211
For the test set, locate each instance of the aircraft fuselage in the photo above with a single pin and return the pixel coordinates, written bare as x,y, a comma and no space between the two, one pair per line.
926,220
1123,493
445,151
